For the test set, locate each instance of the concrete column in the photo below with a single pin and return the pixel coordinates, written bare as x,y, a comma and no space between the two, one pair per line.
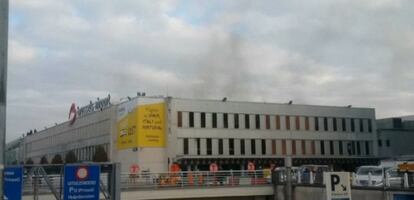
4,19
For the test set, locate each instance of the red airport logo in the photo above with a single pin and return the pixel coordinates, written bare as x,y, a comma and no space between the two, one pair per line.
72,114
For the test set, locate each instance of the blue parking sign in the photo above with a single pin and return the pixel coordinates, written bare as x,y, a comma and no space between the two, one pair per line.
13,183
81,182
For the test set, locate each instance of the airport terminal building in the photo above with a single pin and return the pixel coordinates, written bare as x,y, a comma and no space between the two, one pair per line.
155,132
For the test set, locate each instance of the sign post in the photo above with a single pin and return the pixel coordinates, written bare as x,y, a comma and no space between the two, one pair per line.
338,185
81,182
13,183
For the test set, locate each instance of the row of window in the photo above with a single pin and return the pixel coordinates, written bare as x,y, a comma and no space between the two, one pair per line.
204,146
256,121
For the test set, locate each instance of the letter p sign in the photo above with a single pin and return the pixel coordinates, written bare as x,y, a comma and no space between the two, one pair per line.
335,180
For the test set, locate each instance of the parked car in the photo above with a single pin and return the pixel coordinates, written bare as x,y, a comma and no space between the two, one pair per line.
370,176
395,178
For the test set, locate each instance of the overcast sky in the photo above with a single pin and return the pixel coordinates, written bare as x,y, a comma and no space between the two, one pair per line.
323,52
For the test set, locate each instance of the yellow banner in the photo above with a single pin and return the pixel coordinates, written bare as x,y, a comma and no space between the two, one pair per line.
144,126
151,125
127,131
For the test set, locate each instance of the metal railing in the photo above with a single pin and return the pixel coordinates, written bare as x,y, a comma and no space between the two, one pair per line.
194,179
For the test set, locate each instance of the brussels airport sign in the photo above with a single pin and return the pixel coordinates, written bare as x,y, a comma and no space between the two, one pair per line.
98,105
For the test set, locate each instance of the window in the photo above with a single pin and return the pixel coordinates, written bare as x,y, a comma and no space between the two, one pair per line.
293,147
209,147
335,124
191,119
231,146
322,143
236,120
273,147
287,122
214,120
253,146
267,122
370,125
263,147
257,119
361,125
225,120
220,145
203,120
325,123
297,122
242,147
313,148
367,148
343,124
358,148
303,147
331,147
185,146
316,124
341,150
307,123
198,146
179,119
380,143
277,122
247,121
388,143
352,125
284,147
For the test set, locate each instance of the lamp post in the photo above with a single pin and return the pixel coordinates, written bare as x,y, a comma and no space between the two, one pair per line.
4,21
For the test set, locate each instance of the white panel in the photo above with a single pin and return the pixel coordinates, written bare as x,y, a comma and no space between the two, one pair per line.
278,147
197,120
308,145
268,147
252,122
302,123
282,122
231,120
272,122
262,122
237,147
209,123
215,146
365,121
288,147
180,145
330,124
185,119
242,124
219,120
248,147
312,123
226,146
299,147
348,125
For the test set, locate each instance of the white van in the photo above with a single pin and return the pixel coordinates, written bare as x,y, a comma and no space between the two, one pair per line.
365,174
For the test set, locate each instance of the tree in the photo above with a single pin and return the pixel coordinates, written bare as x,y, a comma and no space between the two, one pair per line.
44,161
71,157
100,155
57,159
29,161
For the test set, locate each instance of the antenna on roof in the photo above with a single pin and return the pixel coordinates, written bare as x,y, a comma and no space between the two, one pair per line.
290,102
224,99
349,106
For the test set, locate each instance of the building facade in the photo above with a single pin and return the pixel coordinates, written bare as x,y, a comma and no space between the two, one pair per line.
395,136
155,132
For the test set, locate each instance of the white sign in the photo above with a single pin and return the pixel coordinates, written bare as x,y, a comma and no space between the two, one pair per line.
338,185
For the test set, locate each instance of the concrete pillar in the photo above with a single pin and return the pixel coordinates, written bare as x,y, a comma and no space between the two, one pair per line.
4,20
